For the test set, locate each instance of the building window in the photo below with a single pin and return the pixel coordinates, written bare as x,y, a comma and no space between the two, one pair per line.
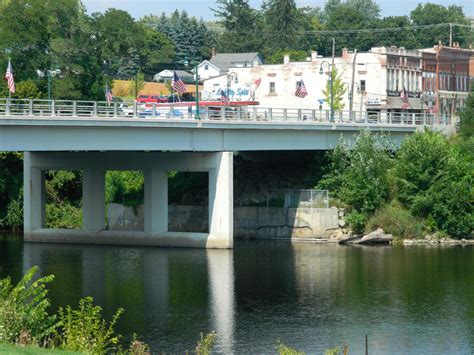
362,85
272,87
206,66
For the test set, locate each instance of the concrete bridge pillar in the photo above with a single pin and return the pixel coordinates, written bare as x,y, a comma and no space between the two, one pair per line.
34,195
221,200
156,202
93,199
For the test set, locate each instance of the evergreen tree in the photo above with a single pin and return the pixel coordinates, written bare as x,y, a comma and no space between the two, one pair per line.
282,30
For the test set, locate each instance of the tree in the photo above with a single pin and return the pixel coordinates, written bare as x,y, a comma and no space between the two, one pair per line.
281,24
466,126
277,56
238,19
337,92
350,15
431,14
435,182
157,51
358,176
401,38
27,89
137,84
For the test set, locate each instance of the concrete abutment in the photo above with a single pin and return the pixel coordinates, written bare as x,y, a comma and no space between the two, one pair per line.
155,166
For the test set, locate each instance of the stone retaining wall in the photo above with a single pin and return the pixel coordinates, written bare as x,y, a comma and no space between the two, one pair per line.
249,222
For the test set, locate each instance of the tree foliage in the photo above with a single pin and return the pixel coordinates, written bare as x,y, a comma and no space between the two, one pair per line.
337,92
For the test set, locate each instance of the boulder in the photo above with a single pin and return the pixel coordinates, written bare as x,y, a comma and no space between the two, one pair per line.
376,237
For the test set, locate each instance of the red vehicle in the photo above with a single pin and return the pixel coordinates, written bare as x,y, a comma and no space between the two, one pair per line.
152,98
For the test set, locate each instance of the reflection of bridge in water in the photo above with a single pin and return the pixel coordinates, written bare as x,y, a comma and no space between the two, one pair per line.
93,137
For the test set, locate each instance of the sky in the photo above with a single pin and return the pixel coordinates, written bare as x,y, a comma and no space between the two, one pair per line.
201,8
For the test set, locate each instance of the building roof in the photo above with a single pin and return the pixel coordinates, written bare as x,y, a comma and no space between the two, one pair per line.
224,61
169,72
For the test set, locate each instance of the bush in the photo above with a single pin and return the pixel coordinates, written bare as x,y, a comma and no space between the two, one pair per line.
358,176
434,180
396,220
23,310
356,220
282,349
85,330
205,345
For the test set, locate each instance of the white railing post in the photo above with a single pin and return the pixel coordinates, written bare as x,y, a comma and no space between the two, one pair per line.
53,108
299,118
366,117
270,114
313,115
74,108
285,114
413,117
115,109
254,113
239,110
135,109
94,113
153,110
30,107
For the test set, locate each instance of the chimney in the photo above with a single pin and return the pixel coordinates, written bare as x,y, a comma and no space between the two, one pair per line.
286,59
314,56
345,53
213,52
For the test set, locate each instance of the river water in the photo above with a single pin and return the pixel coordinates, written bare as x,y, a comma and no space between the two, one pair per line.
407,300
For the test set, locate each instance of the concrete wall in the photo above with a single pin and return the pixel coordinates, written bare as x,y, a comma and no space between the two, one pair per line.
249,222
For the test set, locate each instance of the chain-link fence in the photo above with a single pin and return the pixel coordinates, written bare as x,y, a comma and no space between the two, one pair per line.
297,198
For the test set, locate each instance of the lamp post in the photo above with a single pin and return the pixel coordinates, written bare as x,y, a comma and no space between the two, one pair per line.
330,68
231,76
196,76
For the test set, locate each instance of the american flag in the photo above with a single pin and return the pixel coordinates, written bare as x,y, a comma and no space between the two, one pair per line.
177,84
9,77
301,89
224,97
404,97
108,94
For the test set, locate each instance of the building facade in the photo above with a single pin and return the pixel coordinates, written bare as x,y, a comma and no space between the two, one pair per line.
447,74
374,81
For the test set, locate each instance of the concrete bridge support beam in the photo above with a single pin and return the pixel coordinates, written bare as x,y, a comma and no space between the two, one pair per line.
221,200
33,195
93,200
156,202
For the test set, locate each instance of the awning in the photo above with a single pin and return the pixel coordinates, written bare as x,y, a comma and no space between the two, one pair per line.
397,103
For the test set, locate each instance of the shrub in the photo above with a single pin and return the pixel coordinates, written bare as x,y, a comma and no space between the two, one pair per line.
205,345
358,175
138,347
23,310
435,182
85,330
356,220
282,349
396,220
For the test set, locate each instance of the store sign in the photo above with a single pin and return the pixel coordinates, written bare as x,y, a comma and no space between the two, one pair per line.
411,94
373,101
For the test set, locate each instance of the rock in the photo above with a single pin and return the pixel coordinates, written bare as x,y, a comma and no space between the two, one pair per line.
342,222
376,237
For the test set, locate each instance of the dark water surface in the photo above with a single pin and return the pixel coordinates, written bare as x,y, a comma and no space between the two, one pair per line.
408,300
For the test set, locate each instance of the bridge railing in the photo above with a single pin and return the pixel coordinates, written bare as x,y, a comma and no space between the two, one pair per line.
117,110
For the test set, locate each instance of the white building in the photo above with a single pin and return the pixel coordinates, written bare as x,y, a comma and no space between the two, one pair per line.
372,77
221,62
167,74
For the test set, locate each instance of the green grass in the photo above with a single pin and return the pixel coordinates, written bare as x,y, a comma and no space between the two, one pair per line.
30,350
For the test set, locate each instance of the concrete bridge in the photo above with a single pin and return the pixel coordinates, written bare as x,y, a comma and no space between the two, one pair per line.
94,137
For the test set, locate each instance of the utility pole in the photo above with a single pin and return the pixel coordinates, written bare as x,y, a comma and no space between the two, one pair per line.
332,79
450,34
351,100
197,116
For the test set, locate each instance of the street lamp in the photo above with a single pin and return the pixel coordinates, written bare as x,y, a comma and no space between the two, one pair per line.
231,76
330,68
196,75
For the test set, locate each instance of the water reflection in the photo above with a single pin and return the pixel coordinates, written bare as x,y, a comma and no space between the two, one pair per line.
407,300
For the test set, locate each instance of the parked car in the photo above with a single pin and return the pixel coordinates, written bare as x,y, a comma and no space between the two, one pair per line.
152,98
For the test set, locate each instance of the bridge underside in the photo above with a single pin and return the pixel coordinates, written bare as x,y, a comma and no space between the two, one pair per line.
155,166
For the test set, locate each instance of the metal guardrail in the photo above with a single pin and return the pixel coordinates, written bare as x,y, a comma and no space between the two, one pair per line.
116,110
297,198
